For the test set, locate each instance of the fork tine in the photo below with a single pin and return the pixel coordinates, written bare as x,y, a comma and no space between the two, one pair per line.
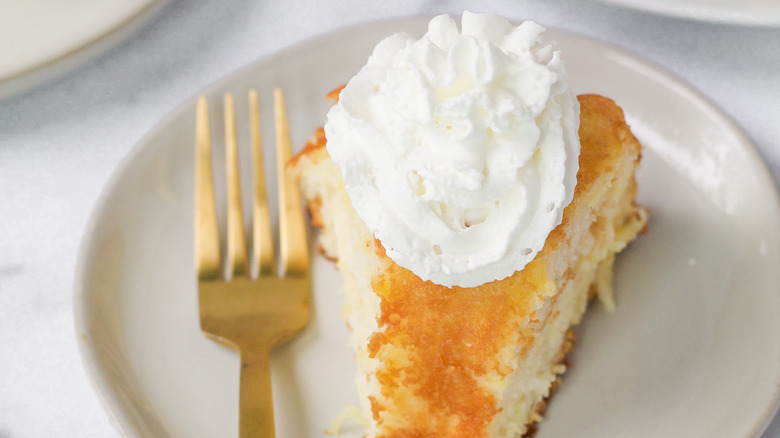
262,241
206,233
250,315
292,231
236,244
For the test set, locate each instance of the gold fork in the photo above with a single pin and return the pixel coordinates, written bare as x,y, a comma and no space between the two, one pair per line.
250,315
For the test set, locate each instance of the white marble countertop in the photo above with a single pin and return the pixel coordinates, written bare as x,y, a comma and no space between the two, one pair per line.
60,142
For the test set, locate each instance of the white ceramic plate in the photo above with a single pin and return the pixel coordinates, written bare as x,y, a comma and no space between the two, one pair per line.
43,38
693,349
744,12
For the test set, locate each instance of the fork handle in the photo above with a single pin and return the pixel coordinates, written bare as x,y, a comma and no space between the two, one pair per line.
255,406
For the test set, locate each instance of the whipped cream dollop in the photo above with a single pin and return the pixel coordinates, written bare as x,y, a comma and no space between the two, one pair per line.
459,150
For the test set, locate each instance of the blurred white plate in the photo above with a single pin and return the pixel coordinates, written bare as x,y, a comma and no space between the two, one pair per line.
693,349
44,38
744,12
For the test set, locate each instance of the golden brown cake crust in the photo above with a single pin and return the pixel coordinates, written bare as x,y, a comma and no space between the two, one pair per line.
604,138
438,341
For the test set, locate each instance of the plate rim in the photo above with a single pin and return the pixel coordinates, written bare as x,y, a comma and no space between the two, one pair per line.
700,13
48,69
117,412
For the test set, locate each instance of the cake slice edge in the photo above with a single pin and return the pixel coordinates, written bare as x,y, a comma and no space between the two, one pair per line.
529,351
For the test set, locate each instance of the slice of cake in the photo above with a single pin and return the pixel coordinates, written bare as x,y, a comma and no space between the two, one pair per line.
437,359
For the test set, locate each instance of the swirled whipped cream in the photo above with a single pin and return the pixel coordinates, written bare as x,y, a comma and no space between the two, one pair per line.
459,150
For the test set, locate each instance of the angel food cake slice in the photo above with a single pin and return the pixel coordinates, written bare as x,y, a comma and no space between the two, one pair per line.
473,206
